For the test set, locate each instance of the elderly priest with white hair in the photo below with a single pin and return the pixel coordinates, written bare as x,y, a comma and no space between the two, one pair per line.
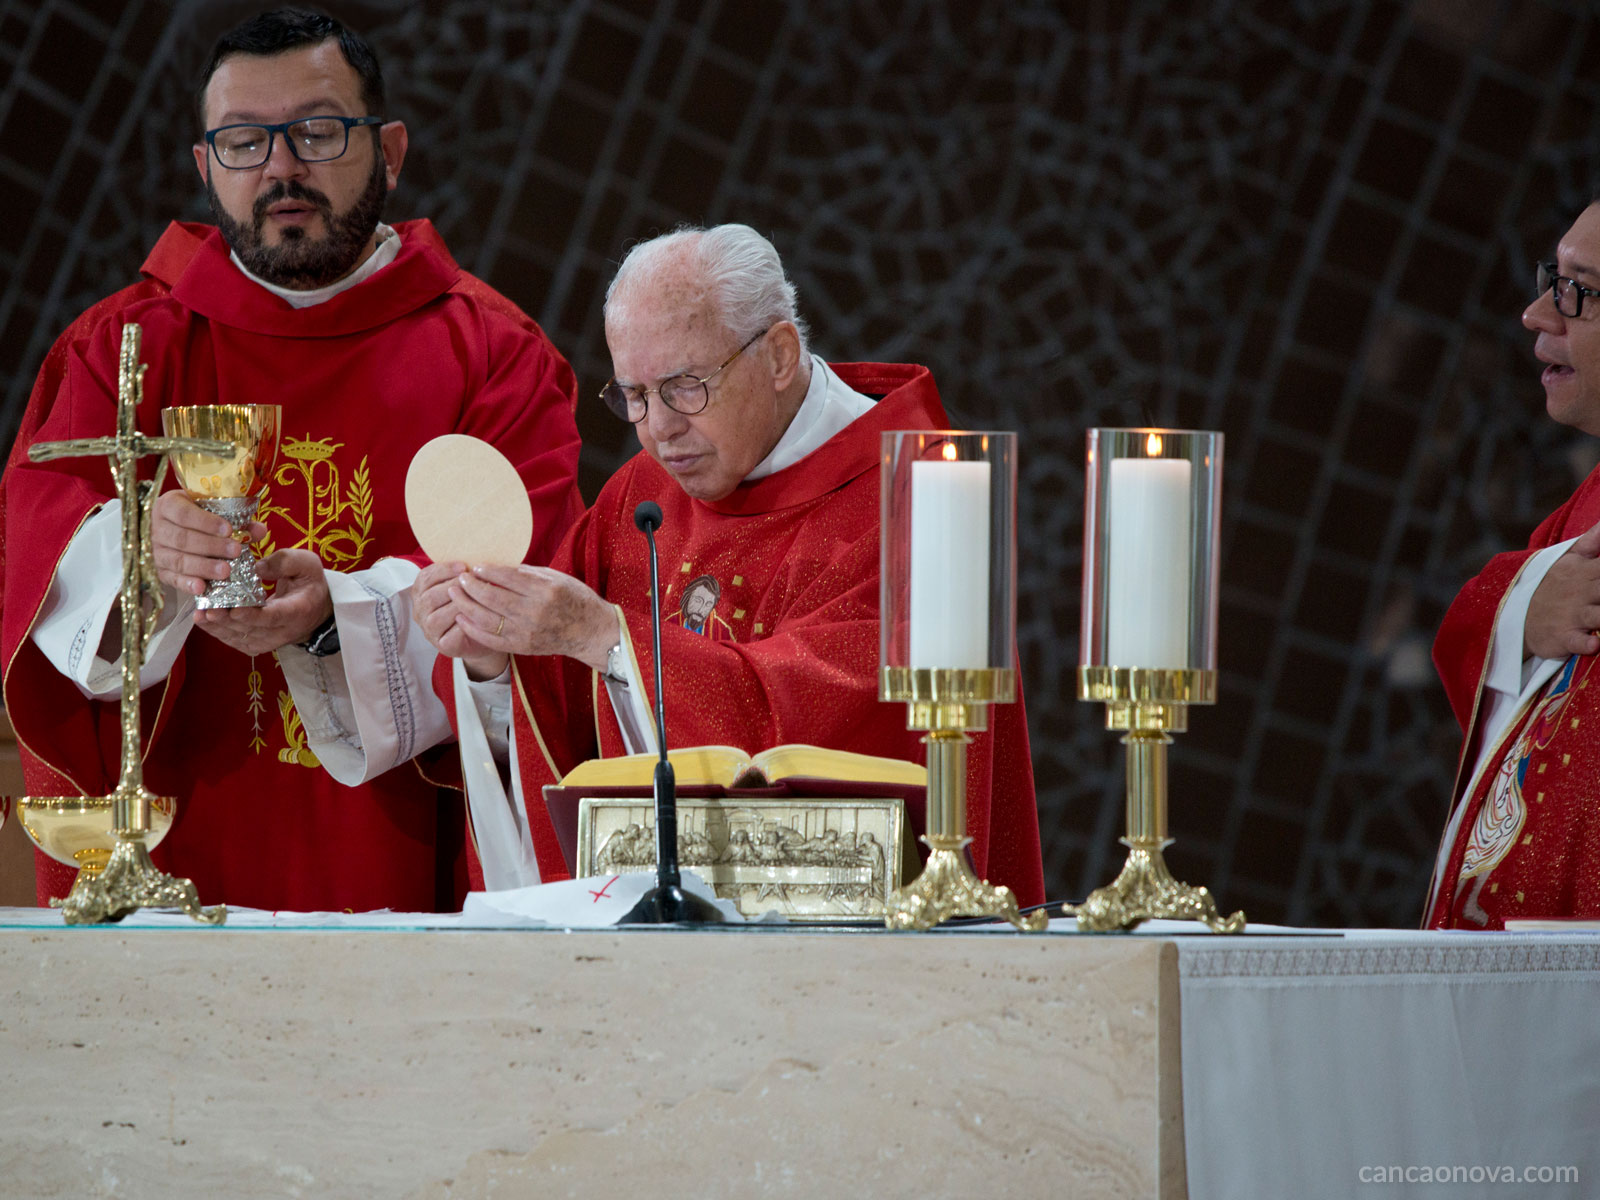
764,460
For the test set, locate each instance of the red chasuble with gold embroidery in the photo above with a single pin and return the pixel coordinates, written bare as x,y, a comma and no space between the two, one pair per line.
419,349
789,652
1528,844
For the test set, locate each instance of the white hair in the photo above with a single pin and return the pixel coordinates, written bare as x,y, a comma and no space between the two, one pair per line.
740,269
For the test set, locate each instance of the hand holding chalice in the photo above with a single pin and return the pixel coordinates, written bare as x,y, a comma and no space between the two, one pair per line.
229,486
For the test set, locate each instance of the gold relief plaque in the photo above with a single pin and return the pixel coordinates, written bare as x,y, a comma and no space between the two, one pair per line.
833,860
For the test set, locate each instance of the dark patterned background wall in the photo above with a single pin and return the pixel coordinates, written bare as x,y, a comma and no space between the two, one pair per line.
1311,225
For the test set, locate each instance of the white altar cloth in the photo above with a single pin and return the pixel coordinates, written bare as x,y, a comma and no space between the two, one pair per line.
1388,1063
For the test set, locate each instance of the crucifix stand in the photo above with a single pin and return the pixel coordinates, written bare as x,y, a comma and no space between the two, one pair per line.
130,881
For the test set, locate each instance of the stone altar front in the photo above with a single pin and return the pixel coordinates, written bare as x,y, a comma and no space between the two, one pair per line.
436,1063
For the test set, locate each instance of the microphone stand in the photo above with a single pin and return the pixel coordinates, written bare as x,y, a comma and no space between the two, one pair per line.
666,903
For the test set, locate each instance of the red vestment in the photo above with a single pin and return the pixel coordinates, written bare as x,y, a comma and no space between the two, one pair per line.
417,350
796,555
1528,844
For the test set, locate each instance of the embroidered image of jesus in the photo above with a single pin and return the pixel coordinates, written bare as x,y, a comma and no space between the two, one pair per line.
697,611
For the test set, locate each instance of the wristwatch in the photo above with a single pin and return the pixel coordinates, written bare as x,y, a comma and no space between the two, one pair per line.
616,666
324,639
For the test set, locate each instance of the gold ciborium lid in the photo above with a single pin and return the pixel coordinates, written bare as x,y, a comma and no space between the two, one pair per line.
78,830
252,428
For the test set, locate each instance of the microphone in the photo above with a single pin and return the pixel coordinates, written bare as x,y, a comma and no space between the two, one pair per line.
666,903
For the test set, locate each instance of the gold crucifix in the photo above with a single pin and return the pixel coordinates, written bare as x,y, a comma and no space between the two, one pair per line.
129,880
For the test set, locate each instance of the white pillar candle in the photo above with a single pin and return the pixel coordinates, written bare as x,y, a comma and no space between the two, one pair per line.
949,564
1147,602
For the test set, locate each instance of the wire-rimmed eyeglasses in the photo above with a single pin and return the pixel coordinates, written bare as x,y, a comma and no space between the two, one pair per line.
686,394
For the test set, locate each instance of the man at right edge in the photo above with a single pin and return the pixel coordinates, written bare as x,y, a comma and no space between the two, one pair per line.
1517,653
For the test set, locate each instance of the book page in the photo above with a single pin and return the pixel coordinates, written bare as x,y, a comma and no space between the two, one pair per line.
783,762
691,765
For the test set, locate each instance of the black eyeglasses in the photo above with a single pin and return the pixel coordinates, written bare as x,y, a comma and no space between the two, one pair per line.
1567,293
310,139
686,394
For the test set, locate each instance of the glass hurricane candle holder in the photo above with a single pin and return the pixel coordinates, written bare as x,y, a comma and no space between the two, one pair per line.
947,640
1148,645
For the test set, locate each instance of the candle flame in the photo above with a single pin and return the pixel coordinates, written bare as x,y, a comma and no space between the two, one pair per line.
949,452
1152,445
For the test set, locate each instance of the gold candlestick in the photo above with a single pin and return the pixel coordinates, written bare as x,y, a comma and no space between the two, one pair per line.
1148,705
949,704
113,882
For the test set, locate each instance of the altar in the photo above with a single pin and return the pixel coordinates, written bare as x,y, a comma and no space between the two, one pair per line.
413,1056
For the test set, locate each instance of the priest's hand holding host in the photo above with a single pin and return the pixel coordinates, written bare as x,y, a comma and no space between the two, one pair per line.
316,706
485,615
764,459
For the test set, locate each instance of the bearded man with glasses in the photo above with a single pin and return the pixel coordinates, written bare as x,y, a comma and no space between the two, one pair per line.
764,460
1518,652
291,732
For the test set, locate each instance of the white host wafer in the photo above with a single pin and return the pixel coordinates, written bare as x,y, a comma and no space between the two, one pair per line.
466,503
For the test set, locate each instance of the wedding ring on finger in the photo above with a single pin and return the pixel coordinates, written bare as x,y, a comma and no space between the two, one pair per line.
499,627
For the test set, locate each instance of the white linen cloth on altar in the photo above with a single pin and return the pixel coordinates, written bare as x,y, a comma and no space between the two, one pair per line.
1314,1070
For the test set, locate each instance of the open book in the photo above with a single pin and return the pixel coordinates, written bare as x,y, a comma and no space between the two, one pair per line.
731,767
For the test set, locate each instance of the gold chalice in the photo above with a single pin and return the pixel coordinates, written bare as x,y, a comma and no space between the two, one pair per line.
228,485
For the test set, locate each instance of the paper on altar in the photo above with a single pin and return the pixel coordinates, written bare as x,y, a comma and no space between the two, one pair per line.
594,902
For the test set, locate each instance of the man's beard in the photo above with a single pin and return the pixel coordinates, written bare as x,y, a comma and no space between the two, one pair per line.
300,261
